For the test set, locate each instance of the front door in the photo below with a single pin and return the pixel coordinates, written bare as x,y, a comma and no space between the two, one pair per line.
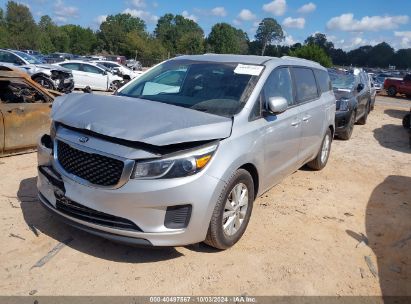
95,78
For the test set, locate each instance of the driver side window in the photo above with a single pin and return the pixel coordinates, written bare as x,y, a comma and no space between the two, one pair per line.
10,58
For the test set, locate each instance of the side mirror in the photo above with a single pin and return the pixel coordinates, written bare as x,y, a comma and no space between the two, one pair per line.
360,87
104,72
372,85
277,105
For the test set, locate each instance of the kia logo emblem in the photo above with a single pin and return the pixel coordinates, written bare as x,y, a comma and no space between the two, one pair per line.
83,139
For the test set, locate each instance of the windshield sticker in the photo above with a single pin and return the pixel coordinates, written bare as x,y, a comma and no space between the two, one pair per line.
254,70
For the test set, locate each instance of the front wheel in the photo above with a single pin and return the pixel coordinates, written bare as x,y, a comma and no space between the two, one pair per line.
232,211
406,121
363,119
44,82
346,135
320,161
114,86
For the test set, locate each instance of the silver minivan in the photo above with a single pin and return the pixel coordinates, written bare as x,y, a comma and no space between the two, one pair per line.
179,154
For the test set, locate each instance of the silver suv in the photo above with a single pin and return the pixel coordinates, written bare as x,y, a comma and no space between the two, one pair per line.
181,153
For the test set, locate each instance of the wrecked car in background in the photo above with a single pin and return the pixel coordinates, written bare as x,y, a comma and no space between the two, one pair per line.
49,76
92,75
24,111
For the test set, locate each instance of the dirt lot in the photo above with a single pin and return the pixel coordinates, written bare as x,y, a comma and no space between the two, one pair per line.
304,237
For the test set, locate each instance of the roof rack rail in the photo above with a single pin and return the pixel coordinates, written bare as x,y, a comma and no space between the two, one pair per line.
300,59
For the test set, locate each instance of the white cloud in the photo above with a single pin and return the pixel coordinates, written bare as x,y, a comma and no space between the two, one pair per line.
187,15
276,7
219,11
236,22
405,38
294,22
307,8
62,12
100,19
346,22
138,3
246,15
289,40
144,15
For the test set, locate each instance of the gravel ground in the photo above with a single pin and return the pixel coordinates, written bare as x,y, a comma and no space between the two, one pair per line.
343,231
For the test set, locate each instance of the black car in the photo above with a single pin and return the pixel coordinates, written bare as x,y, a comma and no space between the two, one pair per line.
353,101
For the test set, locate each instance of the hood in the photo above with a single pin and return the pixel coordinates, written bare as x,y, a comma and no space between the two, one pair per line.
44,66
343,93
138,120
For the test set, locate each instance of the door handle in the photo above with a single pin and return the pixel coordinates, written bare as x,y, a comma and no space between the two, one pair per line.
18,110
295,123
306,118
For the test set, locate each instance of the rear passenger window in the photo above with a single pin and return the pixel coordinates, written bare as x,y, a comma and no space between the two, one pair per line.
323,80
279,84
305,84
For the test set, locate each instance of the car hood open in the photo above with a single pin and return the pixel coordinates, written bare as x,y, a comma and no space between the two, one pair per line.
138,120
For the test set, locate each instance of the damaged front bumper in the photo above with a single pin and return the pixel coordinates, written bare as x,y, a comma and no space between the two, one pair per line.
139,212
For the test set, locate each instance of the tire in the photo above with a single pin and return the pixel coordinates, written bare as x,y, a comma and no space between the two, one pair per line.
221,237
44,82
320,161
392,91
406,121
363,119
346,135
114,86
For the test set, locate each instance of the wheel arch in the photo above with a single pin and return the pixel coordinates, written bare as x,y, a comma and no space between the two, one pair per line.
252,169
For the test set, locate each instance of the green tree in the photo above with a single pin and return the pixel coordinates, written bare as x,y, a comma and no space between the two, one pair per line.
81,40
21,28
3,31
268,31
320,39
226,39
113,32
381,55
402,59
314,53
175,31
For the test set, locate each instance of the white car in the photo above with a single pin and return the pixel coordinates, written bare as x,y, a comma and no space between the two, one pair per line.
95,76
121,69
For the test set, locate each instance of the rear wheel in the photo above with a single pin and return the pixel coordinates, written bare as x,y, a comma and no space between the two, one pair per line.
346,135
320,161
392,91
232,211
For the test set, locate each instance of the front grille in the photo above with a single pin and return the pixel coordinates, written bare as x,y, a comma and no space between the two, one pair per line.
86,214
94,168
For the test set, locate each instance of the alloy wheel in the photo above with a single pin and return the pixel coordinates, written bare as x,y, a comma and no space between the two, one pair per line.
235,209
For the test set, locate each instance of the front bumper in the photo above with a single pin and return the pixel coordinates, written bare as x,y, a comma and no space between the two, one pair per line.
342,119
65,85
143,202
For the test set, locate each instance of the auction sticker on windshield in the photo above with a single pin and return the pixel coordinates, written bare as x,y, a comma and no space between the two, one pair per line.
254,70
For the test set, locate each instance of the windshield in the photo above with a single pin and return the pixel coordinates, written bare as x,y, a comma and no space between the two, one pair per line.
342,80
28,58
212,87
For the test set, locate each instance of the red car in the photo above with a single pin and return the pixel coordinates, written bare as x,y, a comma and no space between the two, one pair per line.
395,86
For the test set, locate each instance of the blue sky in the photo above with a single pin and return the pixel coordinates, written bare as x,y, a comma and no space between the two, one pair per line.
348,23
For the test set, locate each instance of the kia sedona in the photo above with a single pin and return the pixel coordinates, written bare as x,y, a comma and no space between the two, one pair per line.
179,154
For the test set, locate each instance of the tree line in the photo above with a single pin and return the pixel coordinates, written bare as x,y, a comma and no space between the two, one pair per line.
126,35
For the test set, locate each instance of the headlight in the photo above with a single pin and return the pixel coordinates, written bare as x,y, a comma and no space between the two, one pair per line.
343,105
176,166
